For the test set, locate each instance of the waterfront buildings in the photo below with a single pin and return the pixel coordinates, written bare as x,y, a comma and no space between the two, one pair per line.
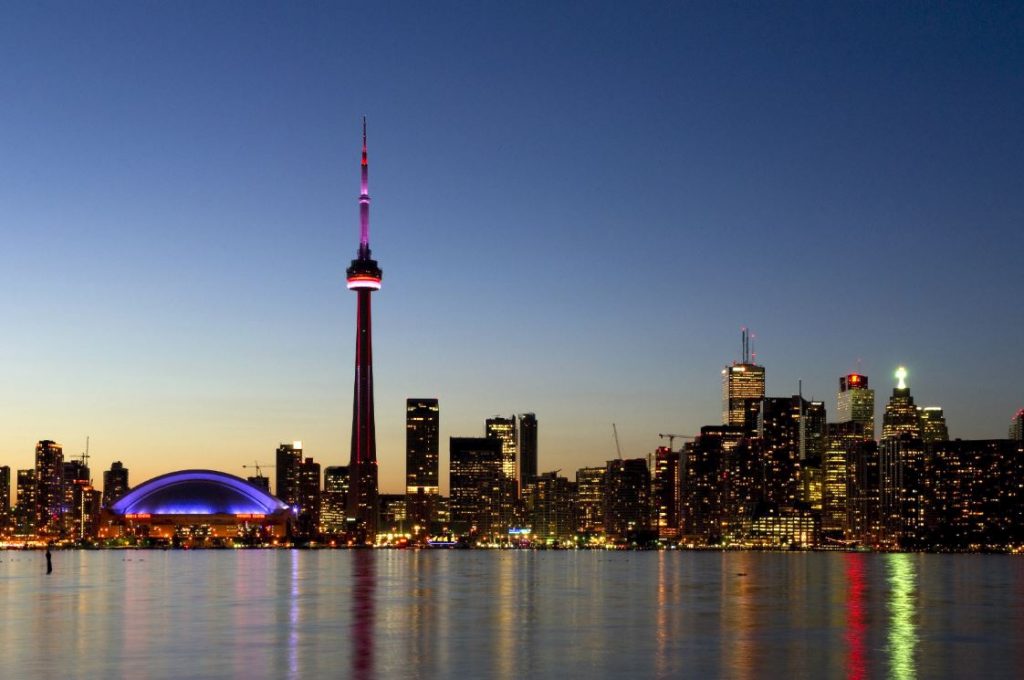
309,498
479,488
627,498
333,499
49,478
590,499
666,490
550,509
288,460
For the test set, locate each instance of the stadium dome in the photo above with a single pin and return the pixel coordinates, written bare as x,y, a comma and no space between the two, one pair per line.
197,492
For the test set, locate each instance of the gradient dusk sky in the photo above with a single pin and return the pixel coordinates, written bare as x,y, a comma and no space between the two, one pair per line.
576,207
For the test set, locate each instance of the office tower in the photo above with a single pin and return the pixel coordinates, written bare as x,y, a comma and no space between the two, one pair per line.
902,482
786,424
332,502
627,499
27,508
77,495
834,487
478,486
422,434
50,485
933,424
590,499
550,509
115,483
393,517
288,461
504,430
855,402
742,391
863,489
666,490
364,277
527,448
1017,426
5,493
901,416
309,497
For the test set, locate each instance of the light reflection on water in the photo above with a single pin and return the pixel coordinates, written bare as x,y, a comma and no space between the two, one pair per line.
468,614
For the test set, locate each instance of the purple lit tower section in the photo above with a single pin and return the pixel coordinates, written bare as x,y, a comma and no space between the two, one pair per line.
364,278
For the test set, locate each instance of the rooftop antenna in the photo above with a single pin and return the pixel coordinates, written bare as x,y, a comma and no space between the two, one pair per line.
745,345
753,354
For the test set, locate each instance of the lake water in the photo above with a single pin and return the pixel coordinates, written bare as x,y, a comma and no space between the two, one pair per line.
507,614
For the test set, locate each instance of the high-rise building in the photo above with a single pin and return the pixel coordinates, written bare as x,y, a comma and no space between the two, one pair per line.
50,486
1017,426
902,483
590,499
901,415
527,448
479,487
933,424
393,516
115,483
666,490
422,434
855,402
77,481
288,460
5,494
627,498
712,491
332,502
504,430
364,276
550,507
792,431
742,391
27,510
309,497
863,489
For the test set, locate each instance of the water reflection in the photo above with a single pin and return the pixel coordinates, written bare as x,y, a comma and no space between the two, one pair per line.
855,612
902,577
363,613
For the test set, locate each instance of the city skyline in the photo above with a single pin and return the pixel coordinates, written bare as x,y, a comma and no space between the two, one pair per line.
175,282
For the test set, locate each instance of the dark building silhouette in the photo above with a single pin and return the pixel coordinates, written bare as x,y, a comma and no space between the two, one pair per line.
5,494
26,512
115,483
479,487
709,495
422,435
288,461
627,498
50,487
309,497
364,277
527,448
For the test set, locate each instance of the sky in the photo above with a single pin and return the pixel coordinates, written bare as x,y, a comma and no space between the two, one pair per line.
576,206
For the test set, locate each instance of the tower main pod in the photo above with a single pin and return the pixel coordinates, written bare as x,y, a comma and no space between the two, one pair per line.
364,278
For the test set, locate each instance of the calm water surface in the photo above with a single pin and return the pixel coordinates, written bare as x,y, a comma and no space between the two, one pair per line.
472,614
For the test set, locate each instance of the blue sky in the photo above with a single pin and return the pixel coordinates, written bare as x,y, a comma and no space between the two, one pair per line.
576,208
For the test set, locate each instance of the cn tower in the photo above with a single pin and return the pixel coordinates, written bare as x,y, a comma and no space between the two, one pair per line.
364,278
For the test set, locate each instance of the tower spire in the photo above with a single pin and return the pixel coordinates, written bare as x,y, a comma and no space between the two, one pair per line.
364,202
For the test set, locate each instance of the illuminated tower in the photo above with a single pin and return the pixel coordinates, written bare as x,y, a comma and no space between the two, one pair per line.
856,402
901,416
742,391
363,277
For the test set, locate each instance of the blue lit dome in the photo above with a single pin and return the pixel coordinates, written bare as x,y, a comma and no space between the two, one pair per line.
197,492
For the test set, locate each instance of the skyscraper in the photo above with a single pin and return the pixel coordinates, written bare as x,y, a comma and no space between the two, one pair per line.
364,276
527,448
478,486
590,499
5,494
50,486
627,498
332,502
901,416
422,434
27,510
115,483
742,391
666,489
288,459
550,505
855,402
504,430
77,496
933,424
309,497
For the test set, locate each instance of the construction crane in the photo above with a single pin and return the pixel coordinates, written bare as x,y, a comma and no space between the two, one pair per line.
672,437
259,467
618,449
